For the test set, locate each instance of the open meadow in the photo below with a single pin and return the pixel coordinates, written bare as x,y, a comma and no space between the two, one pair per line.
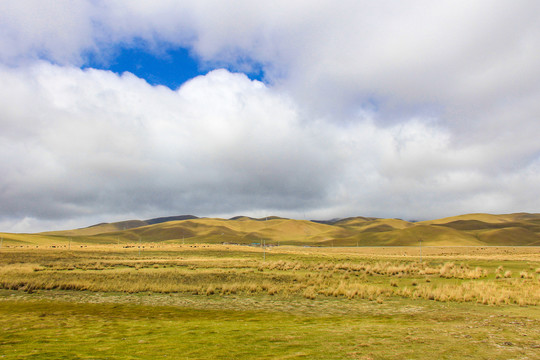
203,179
205,301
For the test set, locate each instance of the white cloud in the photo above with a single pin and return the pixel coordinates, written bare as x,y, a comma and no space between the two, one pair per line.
85,141
57,30
417,109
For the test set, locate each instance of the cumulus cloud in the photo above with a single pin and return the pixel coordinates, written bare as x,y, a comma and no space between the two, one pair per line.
80,142
455,60
417,110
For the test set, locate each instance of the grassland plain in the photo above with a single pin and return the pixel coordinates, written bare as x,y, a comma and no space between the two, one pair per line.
203,301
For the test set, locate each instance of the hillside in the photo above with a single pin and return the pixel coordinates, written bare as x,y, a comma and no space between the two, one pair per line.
521,229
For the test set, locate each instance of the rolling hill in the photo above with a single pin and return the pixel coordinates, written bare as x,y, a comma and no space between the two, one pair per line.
521,229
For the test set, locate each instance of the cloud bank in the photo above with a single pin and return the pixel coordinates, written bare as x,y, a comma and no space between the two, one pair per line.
416,110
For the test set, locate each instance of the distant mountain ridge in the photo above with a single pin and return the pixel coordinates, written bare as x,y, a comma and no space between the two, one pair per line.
520,229
160,220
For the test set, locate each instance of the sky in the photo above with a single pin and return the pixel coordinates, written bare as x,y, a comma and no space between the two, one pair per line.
118,109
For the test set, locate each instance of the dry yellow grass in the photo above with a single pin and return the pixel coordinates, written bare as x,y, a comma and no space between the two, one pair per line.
288,271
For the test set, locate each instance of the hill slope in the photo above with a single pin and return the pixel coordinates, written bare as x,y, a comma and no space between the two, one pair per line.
520,229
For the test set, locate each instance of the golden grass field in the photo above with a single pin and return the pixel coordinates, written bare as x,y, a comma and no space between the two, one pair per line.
206,301
100,293
481,275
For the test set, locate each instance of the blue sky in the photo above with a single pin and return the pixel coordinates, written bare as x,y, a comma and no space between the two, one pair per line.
170,67
415,110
